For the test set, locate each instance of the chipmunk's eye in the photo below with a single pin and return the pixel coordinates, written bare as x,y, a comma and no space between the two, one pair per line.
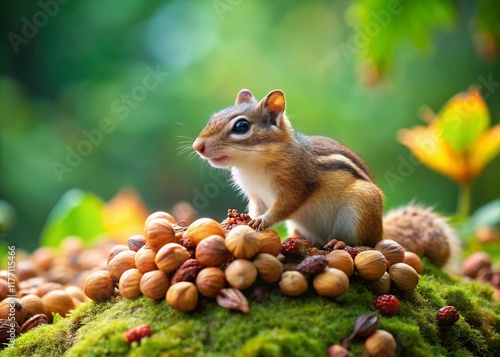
241,126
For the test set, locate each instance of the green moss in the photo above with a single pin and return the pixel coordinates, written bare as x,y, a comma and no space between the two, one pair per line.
279,326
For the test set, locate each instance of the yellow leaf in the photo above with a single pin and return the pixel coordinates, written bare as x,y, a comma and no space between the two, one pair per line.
485,150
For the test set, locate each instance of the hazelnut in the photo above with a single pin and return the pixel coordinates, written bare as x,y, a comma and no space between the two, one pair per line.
57,301
42,258
154,284
392,250
381,343
115,250
342,260
210,281
183,296
124,260
414,261
370,265
25,270
241,273
331,283
33,305
145,259
159,232
403,276
4,289
159,214
473,263
203,228
293,283
382,285
212,251
76,293
99,286
171,256
5,275
243,242
46,287
9,304
270,242
136,242
269,267
130,283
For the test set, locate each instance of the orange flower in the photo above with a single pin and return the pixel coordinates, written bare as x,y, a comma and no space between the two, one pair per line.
457,142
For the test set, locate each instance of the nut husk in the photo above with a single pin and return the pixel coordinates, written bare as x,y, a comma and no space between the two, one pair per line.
212,251
171,256
392,250
210,281
382,285
342,260
145,259
381,343
269,267
241,274
270,242
331,283
154,284
130,283
243,242
99,286
203,228
124,260
293,283
370,265
403,276
159,232
183,296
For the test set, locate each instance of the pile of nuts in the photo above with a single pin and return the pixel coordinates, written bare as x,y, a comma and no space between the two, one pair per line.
478,266
179,264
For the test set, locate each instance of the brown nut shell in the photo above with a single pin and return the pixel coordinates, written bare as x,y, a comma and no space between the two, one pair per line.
76,293
33,305
136,242
241,274
414,261
159,214
342,260
203,228
159,232
130,283
293,283
392,250
58,301
154,284
99,286
183,296
381,343
269,267
270,242
14,306
403,276
210,281
243,242
212,251
34,321
370,265
171,256
383,285
124,260
145,259
331,283
115,250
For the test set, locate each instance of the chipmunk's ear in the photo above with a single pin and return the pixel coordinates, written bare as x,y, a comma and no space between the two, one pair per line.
245,96
274,102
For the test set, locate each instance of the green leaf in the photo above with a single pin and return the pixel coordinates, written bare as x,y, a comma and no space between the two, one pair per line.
463,120
77,213
487,215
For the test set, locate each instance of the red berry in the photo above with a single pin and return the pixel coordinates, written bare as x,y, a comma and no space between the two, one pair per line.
447,315
293,247
387,304
136,334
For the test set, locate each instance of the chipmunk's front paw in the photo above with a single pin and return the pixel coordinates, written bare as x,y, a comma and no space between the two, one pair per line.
259,223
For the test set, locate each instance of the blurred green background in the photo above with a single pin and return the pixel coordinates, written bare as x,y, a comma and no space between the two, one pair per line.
354,70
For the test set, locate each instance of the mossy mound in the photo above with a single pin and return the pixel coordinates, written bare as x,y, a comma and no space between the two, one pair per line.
278,326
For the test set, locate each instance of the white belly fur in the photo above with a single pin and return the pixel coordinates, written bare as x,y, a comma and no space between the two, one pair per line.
255,183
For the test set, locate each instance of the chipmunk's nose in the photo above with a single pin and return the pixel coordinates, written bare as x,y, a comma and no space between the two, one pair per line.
199,145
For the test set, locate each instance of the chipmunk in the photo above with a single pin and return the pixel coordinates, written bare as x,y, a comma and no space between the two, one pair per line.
321,188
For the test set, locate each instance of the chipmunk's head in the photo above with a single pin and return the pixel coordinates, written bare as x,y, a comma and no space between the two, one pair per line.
239,135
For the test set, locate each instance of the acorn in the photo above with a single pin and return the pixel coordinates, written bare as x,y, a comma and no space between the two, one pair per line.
154,284
392,250
58,301
145,259
382,285
159,214
99,286
124,260
270,242
130,283
414,261
241,273
212,251
203,228
370,265
342,260
33,305
159,232
183,296
381,343
331,283
269,267
293,283
243,242
171,256
210,281
403,276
